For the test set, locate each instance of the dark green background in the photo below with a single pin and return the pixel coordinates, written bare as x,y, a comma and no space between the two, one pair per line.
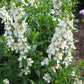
81,4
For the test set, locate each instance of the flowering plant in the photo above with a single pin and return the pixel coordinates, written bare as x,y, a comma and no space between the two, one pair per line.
38,42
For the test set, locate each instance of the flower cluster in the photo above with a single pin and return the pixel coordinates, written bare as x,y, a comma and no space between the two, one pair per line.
15,28
31,2
77,81
57,4
56,11
47,77
60,49
62,45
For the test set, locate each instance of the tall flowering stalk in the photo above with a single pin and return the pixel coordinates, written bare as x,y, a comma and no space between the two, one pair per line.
62,43
15,28
61,47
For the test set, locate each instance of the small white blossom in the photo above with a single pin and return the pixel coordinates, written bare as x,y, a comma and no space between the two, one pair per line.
72,73
52,11
47,77
6,81
26,70
31,1
30,61
45,62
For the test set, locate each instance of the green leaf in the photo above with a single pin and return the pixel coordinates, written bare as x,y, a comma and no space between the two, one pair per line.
76,41
75,20
42,42
32,82
4,2
41,81
34,47
73,51
24,62
37,72
14,1
37,35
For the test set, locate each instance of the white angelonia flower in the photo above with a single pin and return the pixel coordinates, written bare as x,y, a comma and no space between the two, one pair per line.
72,73
54,19
22,52
57,66
25,50
78,81
26,70
6,81
49,56
21,73
53,68
62,24
52,11
25,57
60,38
20,58
20,64
47,77
30,61
8,28
5,34
45,62
36,6
24,39
31,1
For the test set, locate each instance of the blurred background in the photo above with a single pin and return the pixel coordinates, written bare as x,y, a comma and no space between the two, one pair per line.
81,4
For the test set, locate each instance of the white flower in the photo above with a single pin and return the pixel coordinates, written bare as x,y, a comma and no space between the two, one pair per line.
57,66
52,11
31,1
20,58
49,56
78,81
20,64
25,50
26,70
53,68
6,81
22,52
62,24
45,62
30,61
24,57
54,19
21,73
72,73
47,77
